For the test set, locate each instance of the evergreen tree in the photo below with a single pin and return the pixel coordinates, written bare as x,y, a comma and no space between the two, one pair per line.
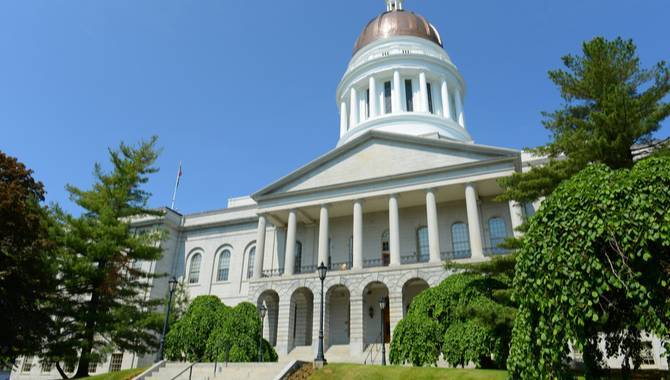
611,103
104,303
27,270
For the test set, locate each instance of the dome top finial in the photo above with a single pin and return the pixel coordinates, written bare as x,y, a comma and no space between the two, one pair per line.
394,5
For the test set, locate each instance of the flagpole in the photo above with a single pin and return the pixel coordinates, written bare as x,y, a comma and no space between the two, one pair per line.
176,185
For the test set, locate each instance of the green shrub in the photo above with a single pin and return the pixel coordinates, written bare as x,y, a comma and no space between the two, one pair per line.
417,340
187,338
470,341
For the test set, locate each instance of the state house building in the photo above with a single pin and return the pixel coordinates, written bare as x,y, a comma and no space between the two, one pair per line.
404,189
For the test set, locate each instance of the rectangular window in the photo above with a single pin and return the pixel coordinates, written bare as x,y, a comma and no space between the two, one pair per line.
69,367
27,364
430,98
409,95
647,354
92,367
387,97
452,105
115,364
367,103
46,366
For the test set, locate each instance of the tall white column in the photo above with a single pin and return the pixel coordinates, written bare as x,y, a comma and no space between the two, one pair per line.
289,254
516,216
423,89
343,118
446,105
474,227
394,230
358,235
323,236
353,109
373,97
433,230
260,248
395,94
459,109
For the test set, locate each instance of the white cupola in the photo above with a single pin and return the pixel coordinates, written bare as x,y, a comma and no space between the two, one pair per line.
401,80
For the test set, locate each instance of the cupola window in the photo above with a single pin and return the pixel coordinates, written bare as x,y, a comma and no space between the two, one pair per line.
430,98
409,96
387,97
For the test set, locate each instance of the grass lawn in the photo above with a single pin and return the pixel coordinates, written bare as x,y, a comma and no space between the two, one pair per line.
120,375
356,372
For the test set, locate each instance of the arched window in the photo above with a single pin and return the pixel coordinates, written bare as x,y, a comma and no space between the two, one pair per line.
224,266
497,233
194,269
460,240
251,259
422,243
298,257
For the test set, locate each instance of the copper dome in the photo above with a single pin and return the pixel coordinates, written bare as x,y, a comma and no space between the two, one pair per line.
397,23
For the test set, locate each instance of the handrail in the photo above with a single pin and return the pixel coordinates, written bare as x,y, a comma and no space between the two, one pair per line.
190,373
372,354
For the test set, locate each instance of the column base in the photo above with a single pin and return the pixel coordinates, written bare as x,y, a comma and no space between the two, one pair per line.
318,364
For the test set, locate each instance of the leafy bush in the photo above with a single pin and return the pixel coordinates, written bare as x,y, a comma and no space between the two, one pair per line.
419,338
212,331
470,341
237,336
187,338
594,264
416,340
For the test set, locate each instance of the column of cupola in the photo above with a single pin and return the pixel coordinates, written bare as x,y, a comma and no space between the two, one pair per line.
450,104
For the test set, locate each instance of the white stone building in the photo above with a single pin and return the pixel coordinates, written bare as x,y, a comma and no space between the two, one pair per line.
405,189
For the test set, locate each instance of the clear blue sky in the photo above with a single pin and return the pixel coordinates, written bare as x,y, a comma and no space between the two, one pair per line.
244,91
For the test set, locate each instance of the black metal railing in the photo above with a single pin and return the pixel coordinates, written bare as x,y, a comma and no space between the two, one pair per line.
455,255
273,272
414,258
496,251
373,263
340,266
305,269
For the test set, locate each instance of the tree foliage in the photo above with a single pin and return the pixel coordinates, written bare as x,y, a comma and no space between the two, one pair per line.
104,303
187,338
27,265
416,340
462,297
595,264
611,103
212,331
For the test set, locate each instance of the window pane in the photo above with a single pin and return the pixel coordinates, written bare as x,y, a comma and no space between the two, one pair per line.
430,98
409,95
497,232
385,241
194,269
387,97
367,103
452,105
115,364
422,241
298,257
224,266
250,262
460,239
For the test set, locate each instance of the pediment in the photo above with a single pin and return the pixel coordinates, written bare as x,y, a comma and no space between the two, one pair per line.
383,155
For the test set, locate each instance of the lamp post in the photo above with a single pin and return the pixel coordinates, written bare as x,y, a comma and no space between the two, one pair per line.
172,285
320,360
382,306
261,310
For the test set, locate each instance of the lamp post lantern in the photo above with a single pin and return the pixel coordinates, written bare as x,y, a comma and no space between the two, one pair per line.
261,310
172,286
320,360
382,306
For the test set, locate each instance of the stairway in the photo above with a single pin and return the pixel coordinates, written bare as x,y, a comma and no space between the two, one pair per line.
205,371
